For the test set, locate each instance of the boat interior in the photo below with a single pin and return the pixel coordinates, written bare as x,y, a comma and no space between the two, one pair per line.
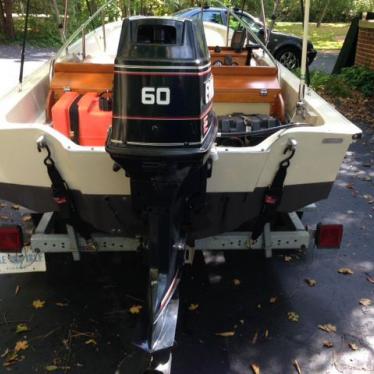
78,87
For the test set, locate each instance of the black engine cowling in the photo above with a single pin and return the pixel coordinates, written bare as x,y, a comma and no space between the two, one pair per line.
163,91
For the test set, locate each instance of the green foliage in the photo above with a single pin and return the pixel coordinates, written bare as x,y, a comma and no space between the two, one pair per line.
341,85
328,36
360,78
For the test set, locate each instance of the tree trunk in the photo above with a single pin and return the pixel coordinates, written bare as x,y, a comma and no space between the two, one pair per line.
323,13
8,22
2,18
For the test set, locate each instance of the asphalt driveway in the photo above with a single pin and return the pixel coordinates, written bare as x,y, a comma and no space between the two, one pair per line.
85,325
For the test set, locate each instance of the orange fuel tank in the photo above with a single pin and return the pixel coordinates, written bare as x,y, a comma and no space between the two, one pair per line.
61,113
80,118
93,122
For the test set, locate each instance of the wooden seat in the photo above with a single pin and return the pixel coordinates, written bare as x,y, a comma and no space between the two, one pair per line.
232,84
81,78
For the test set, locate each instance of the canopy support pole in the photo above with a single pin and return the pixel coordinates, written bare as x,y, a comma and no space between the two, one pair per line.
24,44
304,51
300,112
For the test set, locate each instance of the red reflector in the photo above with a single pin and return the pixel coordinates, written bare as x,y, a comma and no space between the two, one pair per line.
10,239
329,236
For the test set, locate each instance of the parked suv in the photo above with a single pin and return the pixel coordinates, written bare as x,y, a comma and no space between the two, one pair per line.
285,48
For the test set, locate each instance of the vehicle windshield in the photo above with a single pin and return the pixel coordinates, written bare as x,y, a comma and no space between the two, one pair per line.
96,40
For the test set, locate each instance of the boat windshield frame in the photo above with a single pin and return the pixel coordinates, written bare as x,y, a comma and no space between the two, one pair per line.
80,31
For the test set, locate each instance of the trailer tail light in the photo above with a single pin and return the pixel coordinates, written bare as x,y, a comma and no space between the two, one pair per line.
11,239
329,236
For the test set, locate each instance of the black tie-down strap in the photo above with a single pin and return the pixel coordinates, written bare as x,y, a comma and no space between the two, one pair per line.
62,195
273,194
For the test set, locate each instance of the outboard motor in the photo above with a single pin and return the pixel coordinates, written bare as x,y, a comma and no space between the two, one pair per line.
163,130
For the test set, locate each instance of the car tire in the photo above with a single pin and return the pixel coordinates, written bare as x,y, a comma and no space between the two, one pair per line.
290,57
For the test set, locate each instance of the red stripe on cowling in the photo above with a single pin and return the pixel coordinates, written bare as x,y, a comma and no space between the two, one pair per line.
194,118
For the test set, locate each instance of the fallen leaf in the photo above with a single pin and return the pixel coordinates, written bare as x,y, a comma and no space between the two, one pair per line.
287,258
135,309
273,299
236,282
328,344
310,282
254,339
345,271
90,341
255,368
26,218
5,353
365,302
294,317
353,346
38,304
18,288
21,345
193,307
62,305
51,368
297,366
370,279
328,327
226,333
11,358
22,327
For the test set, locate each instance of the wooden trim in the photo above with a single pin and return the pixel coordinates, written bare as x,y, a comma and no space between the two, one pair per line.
245,70
83,67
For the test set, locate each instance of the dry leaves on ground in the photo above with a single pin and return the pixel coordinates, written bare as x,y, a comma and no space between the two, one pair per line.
255,368
310,282
328,344
297,366
226,333
22,327
353,346
255,337
21,345
62,305
135,309
236,282
292,316
345,271
328,327
365,302
273,300
38,304
91,341
193,307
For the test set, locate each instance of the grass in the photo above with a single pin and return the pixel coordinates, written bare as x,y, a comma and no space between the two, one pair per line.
327,37
44,33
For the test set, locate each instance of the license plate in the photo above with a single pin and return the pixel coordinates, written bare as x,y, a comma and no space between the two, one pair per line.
26,261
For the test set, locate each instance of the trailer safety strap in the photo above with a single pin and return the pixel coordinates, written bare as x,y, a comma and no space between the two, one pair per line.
62,195
273,195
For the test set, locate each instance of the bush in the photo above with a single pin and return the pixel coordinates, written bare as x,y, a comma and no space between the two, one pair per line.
356,78
360,78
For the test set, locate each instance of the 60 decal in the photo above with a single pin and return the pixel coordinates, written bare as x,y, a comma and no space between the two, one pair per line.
155,95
